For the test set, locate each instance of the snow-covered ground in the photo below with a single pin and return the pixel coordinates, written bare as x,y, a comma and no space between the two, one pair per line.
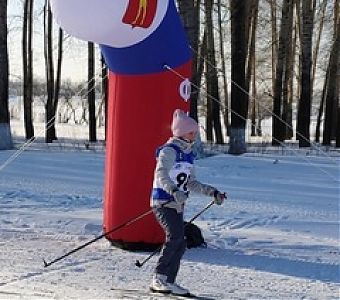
277,236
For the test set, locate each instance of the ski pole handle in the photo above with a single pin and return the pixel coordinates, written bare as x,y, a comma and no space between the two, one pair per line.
219,197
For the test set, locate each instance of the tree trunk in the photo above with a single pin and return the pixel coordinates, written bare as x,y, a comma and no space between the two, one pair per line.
274,41
304,110
318,39
287,88
48,52
290,69
298,28
253,102
202,56
225,110
321,107
27,68
209,110
315,54
250,69
104,90
251,41
91,94
278,127
337,144
239,99
5,130
190,12
58,80
212,80
332,90
4,64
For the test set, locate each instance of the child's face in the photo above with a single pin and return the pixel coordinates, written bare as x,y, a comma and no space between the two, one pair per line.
190,136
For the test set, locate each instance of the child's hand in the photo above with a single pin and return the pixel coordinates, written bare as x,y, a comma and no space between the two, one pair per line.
219,197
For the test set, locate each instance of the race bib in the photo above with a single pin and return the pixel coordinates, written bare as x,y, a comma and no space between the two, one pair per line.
180,173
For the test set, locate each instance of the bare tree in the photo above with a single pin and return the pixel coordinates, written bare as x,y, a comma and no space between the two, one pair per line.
49,67
52,81
306,89
287,87
305,100
5,131
190,14
278,128
251,39
253,102
226,108
337,144
27,56
239,98
213,100
251,63
58,75
321,107
318,38
333,85
68,90
91,95
274,40
104,84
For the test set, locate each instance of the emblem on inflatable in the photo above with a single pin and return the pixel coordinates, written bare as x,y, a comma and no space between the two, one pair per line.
140,13
185,89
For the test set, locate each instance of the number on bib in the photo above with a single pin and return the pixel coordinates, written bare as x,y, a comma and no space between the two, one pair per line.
182,180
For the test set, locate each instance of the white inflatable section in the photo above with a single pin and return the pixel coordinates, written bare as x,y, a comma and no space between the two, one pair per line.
100,21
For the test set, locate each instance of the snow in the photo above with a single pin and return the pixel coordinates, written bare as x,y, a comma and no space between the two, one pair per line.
276,237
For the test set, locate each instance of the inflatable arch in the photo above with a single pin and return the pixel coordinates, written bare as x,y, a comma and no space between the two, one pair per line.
144,44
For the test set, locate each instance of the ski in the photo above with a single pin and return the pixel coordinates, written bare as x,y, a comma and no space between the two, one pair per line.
138,294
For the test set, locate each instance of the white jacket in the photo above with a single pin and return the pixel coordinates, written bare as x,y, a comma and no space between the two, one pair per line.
175,171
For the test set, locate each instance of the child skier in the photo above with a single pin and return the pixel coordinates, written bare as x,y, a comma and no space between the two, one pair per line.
174,178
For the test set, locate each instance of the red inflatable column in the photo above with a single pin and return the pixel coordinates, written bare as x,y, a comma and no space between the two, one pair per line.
139,115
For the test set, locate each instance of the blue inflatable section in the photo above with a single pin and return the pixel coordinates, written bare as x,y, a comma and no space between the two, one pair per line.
167,45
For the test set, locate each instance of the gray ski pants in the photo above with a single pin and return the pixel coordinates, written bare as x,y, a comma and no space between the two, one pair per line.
174,247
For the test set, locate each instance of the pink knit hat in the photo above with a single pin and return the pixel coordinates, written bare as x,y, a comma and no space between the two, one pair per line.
182,123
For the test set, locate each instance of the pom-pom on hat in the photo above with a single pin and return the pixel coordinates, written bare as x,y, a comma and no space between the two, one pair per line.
182,123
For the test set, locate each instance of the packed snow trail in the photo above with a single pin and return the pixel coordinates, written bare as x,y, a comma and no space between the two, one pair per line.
277,235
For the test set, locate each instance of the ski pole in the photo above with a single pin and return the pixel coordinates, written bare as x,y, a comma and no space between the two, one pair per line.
141,264
133,220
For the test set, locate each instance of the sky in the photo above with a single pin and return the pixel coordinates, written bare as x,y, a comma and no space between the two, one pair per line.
75,51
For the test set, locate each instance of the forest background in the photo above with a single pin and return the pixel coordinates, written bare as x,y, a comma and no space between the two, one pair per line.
254,62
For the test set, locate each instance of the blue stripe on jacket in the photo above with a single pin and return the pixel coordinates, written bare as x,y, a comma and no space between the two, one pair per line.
160,194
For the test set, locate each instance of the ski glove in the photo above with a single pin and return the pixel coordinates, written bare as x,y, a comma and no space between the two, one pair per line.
219,197
180,197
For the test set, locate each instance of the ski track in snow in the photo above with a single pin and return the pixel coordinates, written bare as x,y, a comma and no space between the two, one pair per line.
276,237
